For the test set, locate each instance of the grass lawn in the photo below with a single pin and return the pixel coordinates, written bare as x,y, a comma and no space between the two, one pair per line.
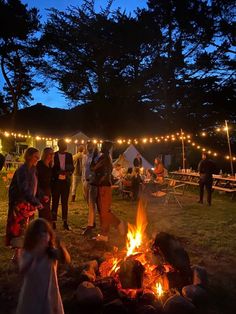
207,233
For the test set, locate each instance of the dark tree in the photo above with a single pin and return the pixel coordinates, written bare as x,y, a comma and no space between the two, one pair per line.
4,106
195,59
19,53
167,66
100,59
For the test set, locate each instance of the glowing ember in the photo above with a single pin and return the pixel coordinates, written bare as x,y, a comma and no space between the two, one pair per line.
115,266
135,233
159,289
109,267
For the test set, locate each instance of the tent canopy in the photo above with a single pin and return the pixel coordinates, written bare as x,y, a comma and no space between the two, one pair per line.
80,136
126,159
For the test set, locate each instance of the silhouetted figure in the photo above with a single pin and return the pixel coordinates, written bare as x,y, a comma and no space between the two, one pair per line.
206,168
138,162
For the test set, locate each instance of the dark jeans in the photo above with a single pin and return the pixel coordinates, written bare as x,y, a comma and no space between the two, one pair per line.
60,189
208,185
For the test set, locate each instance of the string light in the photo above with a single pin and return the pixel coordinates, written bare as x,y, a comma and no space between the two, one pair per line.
217,130
158,139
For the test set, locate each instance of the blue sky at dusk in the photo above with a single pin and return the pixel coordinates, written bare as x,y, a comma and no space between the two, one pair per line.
53,97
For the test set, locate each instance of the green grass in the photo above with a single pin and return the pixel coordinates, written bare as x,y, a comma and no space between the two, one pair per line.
207,233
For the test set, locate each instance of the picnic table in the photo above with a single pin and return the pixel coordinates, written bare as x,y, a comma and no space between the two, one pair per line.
220,183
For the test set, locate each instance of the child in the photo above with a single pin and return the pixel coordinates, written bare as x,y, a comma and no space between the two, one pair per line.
40,291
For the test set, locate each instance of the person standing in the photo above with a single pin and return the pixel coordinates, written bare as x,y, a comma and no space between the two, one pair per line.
23,201
76,177
138,162
90,190
102,168
136,182
44,171
206,168
61,178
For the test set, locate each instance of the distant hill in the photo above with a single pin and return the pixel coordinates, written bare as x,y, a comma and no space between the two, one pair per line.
90,119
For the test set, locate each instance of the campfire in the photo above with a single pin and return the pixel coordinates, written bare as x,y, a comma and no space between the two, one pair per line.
137,269
147,271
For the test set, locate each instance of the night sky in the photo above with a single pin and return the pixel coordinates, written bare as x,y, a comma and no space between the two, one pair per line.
53,97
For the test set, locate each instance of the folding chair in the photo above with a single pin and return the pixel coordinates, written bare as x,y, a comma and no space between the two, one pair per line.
173,191
126,189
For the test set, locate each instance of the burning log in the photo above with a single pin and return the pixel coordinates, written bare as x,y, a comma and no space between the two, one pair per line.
131,274
169,249
88,271
172,251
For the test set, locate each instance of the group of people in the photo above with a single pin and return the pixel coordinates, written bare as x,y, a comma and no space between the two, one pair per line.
130,179
39,185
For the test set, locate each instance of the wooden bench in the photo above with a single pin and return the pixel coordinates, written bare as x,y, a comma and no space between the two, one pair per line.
214,187
219,188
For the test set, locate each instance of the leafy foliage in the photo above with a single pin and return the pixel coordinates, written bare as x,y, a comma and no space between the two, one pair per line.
167,66
173,58
19,51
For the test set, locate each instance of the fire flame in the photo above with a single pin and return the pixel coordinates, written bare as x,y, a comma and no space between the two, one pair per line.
115,266
159,289
135,233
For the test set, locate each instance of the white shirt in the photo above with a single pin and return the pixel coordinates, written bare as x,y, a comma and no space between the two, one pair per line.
62,160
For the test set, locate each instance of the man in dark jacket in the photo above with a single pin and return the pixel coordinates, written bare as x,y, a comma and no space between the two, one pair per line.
206,168
61,178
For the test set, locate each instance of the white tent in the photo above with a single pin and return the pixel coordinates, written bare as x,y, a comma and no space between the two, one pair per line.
81,138
130,153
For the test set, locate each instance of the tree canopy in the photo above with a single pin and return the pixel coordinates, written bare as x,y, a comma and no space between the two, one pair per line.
166,66
19,53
